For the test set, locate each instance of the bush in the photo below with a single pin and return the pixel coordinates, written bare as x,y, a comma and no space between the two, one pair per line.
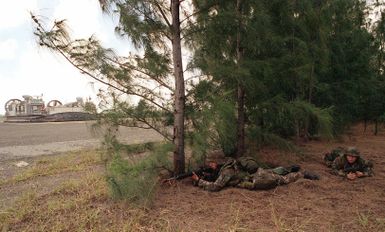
213,119
136,179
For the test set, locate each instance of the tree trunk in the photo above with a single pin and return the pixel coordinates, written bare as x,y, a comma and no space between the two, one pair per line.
311,86
297,131
241,90
179,96
311,83
241,122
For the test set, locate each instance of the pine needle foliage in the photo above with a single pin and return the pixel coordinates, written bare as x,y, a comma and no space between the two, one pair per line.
289,119
135,179
260,138
212,119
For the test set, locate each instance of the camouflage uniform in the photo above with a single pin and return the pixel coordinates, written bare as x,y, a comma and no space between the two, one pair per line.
268,179
331,156
233,173
230,175
342,167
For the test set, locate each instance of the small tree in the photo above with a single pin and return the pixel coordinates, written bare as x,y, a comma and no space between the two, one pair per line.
152,26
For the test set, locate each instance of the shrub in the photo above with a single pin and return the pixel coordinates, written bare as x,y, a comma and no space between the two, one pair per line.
135,179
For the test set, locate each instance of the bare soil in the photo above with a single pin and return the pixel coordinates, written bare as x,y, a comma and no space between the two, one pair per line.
24,140
329,204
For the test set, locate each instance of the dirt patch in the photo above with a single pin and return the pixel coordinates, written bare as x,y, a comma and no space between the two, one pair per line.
22,140
8,168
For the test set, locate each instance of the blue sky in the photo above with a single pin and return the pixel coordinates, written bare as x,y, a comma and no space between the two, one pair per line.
26,68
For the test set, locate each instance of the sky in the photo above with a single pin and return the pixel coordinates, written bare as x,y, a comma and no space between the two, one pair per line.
27,69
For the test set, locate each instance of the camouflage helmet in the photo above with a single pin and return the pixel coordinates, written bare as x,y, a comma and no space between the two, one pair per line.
216,157
352,151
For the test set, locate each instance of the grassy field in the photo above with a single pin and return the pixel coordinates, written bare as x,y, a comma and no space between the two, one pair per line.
79,203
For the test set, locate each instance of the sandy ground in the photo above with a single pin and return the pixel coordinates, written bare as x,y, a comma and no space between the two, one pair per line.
22,140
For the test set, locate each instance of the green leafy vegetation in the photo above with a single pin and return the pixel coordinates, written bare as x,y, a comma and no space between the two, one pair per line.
136,178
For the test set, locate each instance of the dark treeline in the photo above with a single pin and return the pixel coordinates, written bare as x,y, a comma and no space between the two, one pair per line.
307,68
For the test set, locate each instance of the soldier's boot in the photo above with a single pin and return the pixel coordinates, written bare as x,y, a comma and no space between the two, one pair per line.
310,175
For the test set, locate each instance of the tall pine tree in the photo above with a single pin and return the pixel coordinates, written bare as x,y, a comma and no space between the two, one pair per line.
154,27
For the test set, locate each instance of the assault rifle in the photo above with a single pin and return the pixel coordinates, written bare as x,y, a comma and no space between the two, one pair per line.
205,173
351,169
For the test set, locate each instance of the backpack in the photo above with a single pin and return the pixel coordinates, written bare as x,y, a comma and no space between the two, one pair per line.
331,156
248,164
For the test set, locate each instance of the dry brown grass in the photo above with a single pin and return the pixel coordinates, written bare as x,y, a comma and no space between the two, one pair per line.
70,162
76,205
84,204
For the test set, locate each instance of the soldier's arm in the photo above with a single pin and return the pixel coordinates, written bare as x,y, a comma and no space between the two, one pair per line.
337,167
367,168
223,178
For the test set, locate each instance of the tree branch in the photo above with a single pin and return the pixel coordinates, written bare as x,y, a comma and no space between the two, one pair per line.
198,12
165,135
163,14
149,127
149,18
143,72
188,34
57,48
192,77
135,93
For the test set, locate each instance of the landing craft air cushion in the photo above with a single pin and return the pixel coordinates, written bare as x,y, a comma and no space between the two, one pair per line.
33,109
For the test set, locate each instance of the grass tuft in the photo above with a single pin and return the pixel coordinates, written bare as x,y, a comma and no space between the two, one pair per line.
283,225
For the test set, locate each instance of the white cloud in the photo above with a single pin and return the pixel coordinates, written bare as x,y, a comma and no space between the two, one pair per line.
85,18
8,49
16,12
82,17
36,71
53,76
41,72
